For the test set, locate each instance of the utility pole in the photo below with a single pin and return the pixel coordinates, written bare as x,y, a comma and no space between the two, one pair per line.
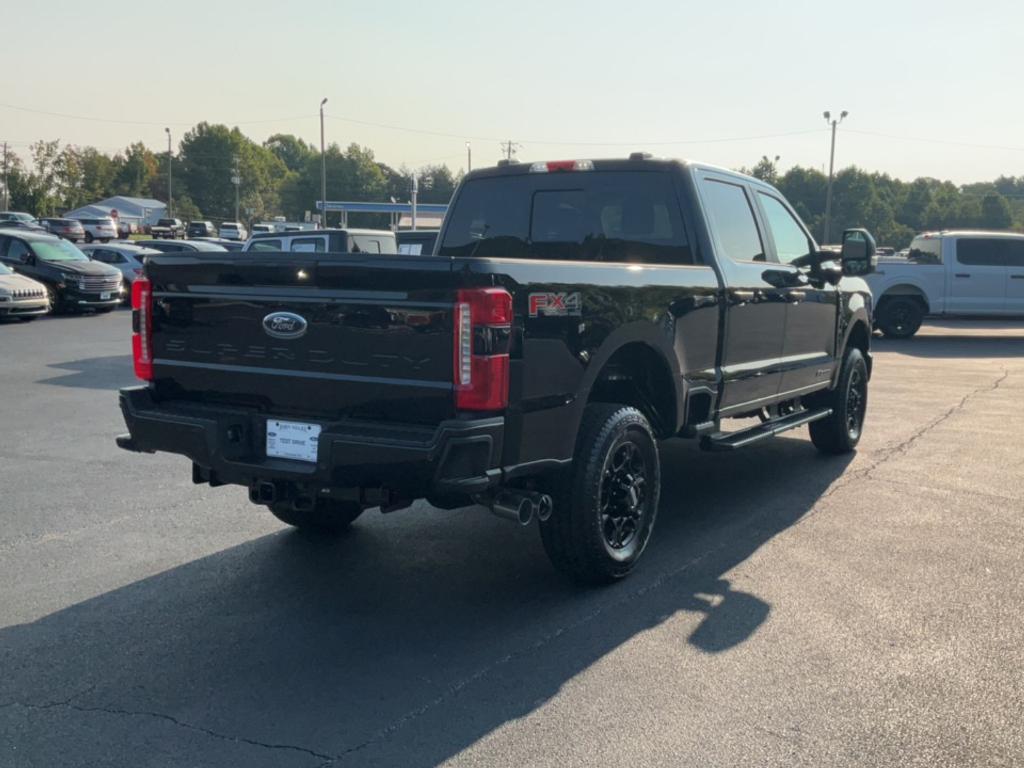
469,157
170,188
509,148
831,172
415,198
323,169
7,194
236,179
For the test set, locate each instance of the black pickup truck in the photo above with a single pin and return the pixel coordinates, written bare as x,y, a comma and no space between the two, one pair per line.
168,229
573,314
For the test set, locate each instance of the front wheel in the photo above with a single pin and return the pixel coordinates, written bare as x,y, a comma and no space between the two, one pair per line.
88,237
326,517
605,506
841,431
54,297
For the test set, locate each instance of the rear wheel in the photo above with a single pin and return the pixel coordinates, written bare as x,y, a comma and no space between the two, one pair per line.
900,317
88,237
841,431
326,517
606,506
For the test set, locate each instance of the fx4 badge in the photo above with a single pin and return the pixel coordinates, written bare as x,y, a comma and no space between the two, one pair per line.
556,304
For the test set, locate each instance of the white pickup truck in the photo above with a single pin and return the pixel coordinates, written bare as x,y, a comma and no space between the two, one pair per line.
949,274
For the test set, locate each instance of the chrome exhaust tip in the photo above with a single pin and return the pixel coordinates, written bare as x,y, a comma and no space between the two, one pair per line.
517,507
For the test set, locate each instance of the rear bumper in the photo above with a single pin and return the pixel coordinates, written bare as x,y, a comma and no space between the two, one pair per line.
228,444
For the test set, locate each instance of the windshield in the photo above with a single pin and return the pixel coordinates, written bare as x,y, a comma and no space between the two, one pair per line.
61,250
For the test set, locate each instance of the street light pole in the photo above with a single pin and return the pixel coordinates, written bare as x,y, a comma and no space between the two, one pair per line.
831,172
236,179
170,196
469,157
323,169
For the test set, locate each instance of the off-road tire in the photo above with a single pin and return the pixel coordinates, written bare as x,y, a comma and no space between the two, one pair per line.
841,431
580,536
325,518
900,317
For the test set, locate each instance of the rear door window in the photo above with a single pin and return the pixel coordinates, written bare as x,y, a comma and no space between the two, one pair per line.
609,216
308,245
732,221
981,252
265,245
363,244
1015,253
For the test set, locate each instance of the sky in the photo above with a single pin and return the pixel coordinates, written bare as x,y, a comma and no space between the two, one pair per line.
932,88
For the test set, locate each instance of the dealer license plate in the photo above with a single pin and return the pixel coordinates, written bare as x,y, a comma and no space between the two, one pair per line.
104,297
292,440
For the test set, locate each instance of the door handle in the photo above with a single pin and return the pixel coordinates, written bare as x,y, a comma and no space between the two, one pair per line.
962,274
742,296
797,296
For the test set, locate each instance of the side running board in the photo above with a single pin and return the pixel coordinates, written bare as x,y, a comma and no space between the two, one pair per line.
730,441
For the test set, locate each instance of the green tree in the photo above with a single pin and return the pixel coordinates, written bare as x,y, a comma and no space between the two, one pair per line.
291,150
45,176
995,212
136,172
210,156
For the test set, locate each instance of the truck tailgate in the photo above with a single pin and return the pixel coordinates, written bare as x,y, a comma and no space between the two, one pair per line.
328,335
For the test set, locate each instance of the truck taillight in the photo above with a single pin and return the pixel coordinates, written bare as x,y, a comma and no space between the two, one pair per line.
142,328
483,336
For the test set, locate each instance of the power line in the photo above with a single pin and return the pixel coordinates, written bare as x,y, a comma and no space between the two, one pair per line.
936,141
549,142
161,123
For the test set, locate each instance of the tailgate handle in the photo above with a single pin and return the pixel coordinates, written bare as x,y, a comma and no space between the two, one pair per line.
963,274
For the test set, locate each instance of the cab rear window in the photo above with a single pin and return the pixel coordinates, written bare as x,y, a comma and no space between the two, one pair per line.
610,216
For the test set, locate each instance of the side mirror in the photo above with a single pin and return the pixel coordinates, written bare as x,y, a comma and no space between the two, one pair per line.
858,253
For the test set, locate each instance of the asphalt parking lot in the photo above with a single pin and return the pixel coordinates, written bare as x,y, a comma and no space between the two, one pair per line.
792,610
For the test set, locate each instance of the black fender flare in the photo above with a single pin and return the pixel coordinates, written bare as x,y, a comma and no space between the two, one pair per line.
857,311
658,342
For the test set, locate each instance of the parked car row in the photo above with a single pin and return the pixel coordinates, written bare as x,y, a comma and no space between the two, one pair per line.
68,278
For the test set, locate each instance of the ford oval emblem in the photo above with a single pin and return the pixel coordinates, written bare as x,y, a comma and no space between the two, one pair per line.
285,325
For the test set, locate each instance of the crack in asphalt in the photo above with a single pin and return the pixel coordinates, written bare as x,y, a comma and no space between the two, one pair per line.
66,704
904,445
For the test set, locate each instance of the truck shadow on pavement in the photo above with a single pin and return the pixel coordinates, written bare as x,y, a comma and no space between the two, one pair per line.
110,373
403,643
953,346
